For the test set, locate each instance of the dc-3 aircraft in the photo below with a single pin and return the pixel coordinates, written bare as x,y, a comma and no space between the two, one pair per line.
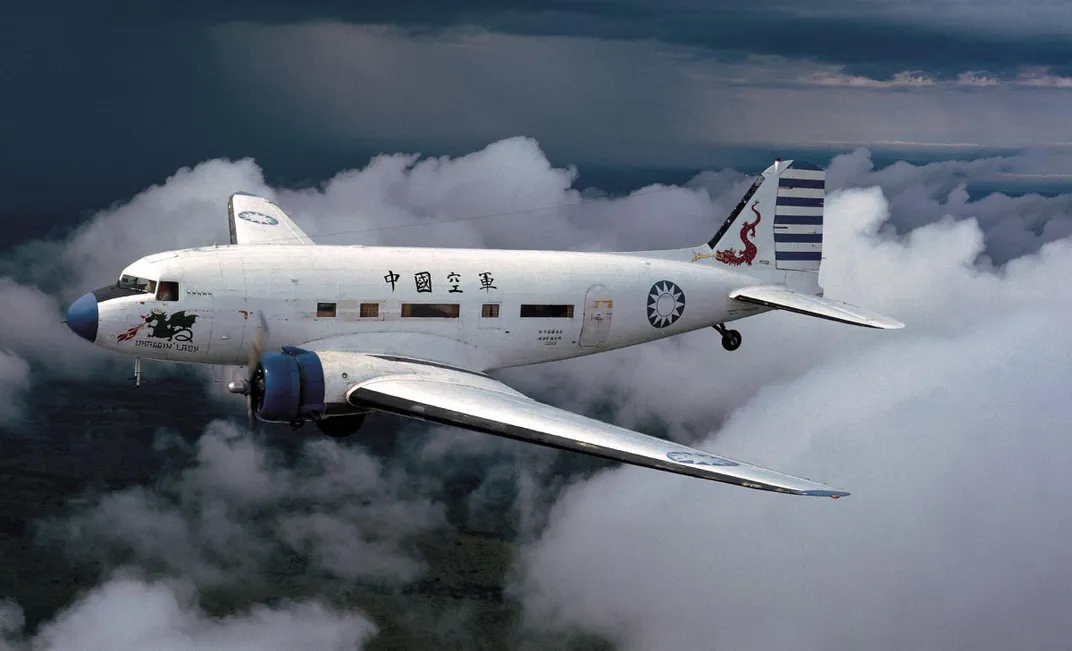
331,333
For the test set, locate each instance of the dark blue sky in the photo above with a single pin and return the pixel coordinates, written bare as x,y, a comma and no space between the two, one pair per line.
104,99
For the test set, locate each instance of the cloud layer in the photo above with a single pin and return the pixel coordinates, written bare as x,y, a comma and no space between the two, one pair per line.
242,508
129,613
951,435
948,433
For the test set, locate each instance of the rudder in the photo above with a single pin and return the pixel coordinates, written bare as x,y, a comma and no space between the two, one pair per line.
798,217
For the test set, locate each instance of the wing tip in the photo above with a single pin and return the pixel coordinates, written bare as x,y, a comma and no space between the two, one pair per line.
825,492
883,322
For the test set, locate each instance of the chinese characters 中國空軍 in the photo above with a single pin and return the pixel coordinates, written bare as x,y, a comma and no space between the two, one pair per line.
423,279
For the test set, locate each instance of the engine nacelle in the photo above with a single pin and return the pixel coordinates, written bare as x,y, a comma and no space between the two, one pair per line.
293,386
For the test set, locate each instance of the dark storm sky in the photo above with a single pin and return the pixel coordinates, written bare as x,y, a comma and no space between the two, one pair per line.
103,99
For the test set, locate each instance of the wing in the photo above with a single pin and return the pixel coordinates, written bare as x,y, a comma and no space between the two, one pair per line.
477,402
255,220
783,298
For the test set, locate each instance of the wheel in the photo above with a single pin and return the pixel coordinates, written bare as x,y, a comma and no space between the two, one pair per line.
731,340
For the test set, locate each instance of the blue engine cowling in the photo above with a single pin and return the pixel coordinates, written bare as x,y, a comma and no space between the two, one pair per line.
293,386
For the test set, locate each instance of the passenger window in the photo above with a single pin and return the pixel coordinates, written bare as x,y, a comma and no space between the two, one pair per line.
489,311
547,311
167,290
430,310
325,309
369,311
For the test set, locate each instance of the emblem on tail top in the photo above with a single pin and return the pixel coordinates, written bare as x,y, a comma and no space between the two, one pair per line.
737,258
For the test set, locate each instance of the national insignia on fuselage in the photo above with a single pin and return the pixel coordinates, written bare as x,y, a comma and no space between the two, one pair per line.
258,218
666,304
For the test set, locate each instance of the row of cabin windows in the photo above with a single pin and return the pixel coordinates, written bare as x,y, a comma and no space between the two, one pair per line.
452,311
366,311
167,290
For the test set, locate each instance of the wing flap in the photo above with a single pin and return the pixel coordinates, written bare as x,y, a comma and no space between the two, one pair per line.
256,220
783,298
485,405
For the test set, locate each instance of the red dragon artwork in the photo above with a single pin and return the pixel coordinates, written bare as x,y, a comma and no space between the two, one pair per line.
735,258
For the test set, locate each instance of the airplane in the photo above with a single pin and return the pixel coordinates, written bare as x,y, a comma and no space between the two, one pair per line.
329,334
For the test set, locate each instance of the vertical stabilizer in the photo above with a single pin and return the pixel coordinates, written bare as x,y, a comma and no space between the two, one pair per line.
778,224
775,233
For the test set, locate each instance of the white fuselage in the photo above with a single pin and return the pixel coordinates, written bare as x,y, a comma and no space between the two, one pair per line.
370,299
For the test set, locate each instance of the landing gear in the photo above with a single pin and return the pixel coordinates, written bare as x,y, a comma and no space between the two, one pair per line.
731,339
137,372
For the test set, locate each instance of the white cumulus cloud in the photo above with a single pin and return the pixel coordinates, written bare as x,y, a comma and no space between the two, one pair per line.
131,614
951,434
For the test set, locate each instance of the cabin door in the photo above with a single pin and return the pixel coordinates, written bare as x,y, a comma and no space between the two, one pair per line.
597,315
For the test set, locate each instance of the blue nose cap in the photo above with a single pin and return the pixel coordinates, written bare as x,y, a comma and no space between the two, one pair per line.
82,317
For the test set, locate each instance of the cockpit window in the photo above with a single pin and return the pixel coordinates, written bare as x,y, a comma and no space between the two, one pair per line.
137,284
167,291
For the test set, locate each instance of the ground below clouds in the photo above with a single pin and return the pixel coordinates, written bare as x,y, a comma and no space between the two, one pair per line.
215,534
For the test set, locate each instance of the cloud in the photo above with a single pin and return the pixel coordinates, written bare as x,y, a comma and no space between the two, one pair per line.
242,507
1043,78
906,78
1012,225
131,613
14,380
976,78
950,433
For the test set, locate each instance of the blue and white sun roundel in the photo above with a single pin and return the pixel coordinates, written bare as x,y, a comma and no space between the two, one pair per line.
666,304
258,218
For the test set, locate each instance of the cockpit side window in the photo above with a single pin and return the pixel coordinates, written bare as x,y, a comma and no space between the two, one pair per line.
167,290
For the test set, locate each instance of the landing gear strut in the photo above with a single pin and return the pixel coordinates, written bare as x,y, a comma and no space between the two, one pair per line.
731,339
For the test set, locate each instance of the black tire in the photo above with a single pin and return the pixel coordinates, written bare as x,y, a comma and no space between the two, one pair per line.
731,340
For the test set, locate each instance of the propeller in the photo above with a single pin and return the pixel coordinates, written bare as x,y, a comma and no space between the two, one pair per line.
253,386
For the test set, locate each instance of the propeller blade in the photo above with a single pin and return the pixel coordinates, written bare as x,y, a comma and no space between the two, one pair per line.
254,424
260,338
252,388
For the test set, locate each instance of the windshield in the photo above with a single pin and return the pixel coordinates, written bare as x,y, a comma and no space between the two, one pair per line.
137,284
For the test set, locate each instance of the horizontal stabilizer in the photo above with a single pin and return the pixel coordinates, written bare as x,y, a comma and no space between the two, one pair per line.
256,220
783,298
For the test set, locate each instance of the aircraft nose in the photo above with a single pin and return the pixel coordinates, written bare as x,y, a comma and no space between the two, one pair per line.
82,317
